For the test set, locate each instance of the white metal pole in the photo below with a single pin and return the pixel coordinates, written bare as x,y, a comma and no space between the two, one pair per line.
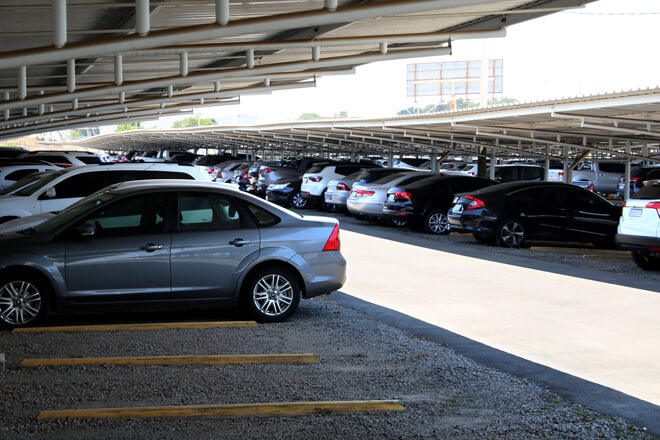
222,11
6,112
59,23
71,75
119,70
330,5
22,82
142,23
183,63
250,58
626,190
316,53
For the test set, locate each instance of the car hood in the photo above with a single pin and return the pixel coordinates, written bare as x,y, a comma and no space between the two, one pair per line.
24,222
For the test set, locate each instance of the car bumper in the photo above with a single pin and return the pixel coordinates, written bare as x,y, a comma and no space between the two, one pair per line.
308,196
278,196
471,224
324,272
336,197
638,243
365,208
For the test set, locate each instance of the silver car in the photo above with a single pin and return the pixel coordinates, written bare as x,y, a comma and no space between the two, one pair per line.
339,189
367,199
169,243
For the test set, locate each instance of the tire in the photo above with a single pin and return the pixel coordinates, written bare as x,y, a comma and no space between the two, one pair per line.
436,223
24,300
272,294
511,233
297,201
483,238
646,261
396,222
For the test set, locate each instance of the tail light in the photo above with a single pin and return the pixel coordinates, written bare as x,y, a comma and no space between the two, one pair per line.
475,203
635,179
244,175
654,205
266,171
362,192
219,175
315,178
333,243
624,204
341,186
561,174
404,195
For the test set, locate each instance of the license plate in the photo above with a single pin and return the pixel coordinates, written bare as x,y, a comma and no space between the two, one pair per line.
457,208
328,198
305,179
353,195
391,198
635,212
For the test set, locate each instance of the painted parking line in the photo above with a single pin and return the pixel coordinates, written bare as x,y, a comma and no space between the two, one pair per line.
176,360
579,249
116,327
2,362
256,409
625,256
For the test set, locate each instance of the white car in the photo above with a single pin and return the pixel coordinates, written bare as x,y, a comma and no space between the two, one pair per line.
315,181
62,188
12,172
64,159
639,226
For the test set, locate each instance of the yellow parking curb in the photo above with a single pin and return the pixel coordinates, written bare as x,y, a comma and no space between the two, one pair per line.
115,327
257,409
175,360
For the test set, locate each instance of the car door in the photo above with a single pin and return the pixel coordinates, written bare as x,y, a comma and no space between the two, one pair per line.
215,239
544,210
591,217
127,258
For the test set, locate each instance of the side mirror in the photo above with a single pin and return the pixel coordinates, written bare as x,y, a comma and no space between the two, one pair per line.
50,193
86,230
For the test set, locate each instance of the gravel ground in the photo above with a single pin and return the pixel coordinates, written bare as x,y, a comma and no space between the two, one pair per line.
445,395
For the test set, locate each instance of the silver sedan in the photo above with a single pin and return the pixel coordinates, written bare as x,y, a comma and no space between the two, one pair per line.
168,243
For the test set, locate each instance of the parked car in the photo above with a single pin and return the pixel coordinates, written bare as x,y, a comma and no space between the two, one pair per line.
315,180
285,170
424,203
64,159
368,199
515,212
638,176
25,181
62,188
338,190
12,172
164,238
604,175
639,227
12,151
287,193
225,171
253,174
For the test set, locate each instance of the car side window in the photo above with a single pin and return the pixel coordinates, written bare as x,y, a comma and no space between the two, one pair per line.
262,217
586,200
19,174
80,185
143,214
207,211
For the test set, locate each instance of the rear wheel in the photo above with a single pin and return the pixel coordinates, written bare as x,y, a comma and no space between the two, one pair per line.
396,222
23,300
436,222
511,233
646,261
483,238
297,201
272,294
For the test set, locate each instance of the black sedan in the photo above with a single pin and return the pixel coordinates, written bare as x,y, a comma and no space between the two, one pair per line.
424,203
286,192
515,212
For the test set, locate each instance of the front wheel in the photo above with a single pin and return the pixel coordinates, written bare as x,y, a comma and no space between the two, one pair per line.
23,300
511,233
272,294
646,261
436,222
297,201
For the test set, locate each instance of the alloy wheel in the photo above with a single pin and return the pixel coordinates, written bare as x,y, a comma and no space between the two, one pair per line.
20,302
512,234
298,201
273,295
399,222
438,223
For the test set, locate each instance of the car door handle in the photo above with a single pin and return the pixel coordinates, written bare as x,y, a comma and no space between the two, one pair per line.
150,247
238,242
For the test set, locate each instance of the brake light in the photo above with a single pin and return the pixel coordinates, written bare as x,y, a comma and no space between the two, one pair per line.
624,204
403,195
245,175
474,204
363,192
654,205
266,171
341,186
315,178
333,243
635,179
561,174
219,176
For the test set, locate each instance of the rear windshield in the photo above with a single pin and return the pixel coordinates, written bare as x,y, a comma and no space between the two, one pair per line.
609,167
650,191
387,179
89,160
27,180
316,169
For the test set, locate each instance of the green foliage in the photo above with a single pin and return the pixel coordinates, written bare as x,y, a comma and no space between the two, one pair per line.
309,116
10,144
194,121
77,134
461,104
129,126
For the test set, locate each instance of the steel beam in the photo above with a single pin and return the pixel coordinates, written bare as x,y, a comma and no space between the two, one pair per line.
59,23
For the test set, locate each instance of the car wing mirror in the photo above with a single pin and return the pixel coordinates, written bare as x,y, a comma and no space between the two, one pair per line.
50,193
86,230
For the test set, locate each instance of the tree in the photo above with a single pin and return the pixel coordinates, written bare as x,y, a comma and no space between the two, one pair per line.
309,116
461,104
129,126
77,134
194,121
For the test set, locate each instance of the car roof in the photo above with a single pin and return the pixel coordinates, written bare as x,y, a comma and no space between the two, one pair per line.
439,177
163,184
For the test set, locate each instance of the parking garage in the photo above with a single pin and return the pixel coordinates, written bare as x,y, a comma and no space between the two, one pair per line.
412,345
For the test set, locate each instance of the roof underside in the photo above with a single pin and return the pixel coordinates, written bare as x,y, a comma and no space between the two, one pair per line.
620,125
119,61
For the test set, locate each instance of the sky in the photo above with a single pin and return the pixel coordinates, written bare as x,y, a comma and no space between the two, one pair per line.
607,46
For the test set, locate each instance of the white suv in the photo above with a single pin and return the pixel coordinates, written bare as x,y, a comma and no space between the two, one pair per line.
12,172
65,187
64,159
639,226
315,181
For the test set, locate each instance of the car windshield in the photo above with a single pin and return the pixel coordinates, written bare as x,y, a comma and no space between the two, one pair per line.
27,180
34,187
75,211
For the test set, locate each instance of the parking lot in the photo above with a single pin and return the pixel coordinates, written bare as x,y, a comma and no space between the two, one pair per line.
356,354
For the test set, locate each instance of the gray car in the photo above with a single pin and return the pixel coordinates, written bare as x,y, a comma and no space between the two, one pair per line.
168,243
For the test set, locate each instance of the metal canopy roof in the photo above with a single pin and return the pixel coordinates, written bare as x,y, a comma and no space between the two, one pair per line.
68,64
619,125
